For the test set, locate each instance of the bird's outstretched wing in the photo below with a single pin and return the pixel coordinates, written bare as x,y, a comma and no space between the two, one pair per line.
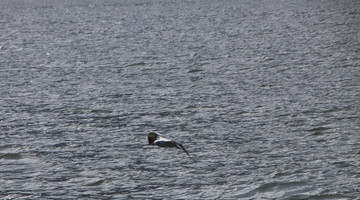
180,146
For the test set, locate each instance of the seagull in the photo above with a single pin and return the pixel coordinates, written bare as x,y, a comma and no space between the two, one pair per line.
158,140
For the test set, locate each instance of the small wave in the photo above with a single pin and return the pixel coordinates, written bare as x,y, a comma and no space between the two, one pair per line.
277,188
11,156
195,71
97,183
136,64
318,129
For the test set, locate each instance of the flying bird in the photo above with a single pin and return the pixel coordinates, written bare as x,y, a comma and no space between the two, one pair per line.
158,140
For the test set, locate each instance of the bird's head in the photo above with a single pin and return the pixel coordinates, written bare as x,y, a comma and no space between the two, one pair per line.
152,137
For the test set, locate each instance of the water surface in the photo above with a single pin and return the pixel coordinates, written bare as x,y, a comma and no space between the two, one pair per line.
265,95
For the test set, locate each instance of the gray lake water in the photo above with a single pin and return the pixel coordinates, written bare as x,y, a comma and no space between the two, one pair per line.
265,95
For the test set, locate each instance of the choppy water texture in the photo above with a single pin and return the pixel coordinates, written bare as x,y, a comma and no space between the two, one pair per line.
264,94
